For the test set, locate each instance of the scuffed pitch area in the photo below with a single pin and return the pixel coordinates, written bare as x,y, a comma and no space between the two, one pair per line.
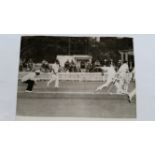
74,99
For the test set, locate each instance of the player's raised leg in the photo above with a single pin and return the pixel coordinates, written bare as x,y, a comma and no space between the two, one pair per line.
104,85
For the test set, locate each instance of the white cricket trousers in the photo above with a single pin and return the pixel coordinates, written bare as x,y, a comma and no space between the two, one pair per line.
54,77
132,94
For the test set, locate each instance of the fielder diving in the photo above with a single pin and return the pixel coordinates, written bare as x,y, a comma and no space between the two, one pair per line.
120,80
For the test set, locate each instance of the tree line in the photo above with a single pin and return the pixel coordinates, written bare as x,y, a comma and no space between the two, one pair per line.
38,48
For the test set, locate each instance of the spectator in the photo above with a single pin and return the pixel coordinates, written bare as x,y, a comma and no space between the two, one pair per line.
30,65
45,66
72,67
97,63
67,66
82,64
88,67
78,68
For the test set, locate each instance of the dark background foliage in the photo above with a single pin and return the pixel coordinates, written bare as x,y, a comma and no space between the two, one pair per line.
48,47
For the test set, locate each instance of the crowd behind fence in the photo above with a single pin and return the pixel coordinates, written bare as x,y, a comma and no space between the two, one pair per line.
46,67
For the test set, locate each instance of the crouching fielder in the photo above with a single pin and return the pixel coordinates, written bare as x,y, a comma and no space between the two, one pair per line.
54,75
110,77
30,79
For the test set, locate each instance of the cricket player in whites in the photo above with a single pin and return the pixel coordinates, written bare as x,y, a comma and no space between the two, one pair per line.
110,77
133,92
123,79
54,74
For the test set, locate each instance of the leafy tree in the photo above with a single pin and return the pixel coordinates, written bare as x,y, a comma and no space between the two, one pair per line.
47,47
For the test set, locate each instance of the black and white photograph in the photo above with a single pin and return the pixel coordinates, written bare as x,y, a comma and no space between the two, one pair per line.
76,76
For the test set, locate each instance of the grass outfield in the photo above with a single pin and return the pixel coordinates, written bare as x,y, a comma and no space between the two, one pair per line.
73,99
69,86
